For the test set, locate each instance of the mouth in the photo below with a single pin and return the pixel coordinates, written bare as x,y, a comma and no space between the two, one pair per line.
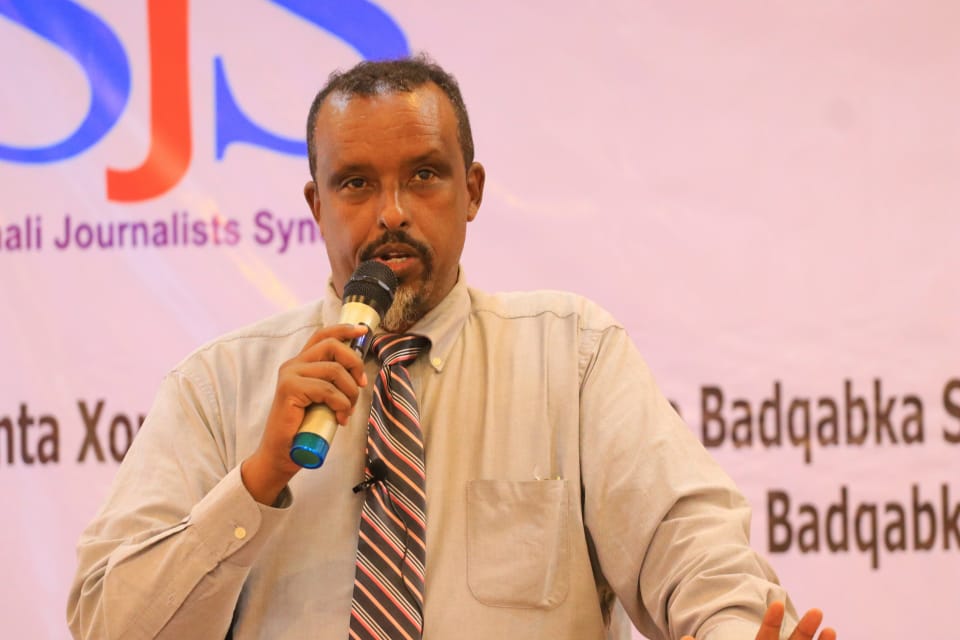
395,253
410,259
401,258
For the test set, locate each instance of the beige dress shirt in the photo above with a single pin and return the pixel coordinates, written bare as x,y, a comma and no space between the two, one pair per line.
558,480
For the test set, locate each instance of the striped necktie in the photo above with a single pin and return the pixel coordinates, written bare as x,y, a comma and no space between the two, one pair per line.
388,589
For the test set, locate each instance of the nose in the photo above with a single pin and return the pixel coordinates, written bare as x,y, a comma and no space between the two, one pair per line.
392,213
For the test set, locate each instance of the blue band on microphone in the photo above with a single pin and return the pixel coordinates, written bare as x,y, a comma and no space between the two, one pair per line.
309,450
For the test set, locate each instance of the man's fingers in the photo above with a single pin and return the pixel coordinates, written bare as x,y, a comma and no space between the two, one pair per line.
806,629
772,619
808,625
341,332
321,380
334,351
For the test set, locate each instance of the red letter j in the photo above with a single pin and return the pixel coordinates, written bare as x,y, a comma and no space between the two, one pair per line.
170,139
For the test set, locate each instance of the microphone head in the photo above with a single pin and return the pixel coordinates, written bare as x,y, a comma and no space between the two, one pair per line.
378,470
373,284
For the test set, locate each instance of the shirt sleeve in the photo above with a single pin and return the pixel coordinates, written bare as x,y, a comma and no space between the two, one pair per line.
168,553
671,530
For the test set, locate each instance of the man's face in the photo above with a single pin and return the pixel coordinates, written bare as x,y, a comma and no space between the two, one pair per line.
391,185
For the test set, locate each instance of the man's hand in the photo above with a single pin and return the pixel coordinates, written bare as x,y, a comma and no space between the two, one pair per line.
325,371
806,628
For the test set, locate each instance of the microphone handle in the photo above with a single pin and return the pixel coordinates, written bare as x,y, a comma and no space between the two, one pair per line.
319,426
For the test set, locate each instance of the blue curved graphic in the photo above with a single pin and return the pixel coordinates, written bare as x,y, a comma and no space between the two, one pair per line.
233,125
361,24
367,28
95,47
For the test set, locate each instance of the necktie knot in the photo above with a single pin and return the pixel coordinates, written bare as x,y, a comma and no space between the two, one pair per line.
396,348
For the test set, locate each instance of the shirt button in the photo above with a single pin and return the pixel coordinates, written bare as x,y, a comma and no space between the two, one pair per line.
239,533
437,362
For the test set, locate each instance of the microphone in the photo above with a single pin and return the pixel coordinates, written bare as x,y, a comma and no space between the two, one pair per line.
378,473
366,297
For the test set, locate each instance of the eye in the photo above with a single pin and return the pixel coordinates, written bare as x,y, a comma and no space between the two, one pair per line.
425,174
353,184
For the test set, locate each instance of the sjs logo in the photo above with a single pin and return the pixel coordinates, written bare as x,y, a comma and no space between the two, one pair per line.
89,40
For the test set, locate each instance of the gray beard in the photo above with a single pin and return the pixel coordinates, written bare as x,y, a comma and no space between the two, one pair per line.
406,309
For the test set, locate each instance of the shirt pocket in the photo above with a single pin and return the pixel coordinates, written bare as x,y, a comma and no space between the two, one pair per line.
517,543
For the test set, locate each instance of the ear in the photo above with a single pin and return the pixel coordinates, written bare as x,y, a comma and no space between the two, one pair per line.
476,175
313,201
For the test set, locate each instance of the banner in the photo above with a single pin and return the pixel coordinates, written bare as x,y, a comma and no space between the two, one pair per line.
765,194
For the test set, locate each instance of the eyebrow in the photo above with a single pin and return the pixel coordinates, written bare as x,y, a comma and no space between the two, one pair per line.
434,156
342,172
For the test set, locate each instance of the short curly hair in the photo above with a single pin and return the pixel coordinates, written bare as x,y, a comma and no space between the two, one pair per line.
370,78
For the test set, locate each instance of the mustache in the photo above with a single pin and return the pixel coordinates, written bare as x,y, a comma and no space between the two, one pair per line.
399,236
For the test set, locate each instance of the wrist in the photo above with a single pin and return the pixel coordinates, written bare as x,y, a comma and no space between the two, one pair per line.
262,480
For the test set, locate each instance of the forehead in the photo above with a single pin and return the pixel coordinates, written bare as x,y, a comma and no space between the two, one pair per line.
358,128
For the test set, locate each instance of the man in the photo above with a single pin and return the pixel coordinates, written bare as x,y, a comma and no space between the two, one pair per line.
558,478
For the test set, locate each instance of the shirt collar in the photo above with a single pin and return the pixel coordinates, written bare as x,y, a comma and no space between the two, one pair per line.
442,324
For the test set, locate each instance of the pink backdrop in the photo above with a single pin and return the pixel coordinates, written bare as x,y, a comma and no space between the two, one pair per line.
766,194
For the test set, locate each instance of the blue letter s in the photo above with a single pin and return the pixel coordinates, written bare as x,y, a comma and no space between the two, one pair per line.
92,44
